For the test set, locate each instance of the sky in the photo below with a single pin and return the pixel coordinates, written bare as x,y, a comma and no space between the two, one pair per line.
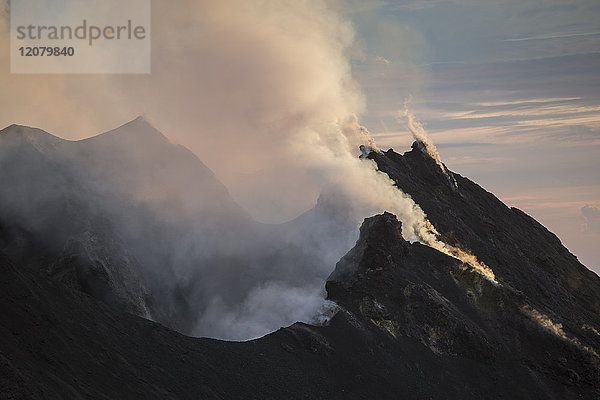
509,91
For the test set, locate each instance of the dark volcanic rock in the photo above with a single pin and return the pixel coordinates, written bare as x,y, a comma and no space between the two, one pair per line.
412,291
95,262
410,322
522,253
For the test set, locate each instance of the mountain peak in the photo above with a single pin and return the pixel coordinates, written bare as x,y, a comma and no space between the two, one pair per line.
140,120
134,131
19,135
377,231
23,130
418,145
418,151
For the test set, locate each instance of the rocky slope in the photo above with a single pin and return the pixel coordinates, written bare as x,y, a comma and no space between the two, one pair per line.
523,254
469,323
410,322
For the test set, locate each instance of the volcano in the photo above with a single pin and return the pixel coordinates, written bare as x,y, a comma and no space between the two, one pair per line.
89,308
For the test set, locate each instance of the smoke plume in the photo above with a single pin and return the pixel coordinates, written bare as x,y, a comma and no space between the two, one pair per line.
427,146
256,88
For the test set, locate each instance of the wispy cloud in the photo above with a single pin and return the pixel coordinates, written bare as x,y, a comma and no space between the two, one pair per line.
560,198
572,119
470,160
485,134
560,35
383,60
525,101
591,120
553,110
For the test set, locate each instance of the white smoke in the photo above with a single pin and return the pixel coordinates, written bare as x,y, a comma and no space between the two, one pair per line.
556,329
426,145
372,191
267,307
357,132
544,321
248,86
